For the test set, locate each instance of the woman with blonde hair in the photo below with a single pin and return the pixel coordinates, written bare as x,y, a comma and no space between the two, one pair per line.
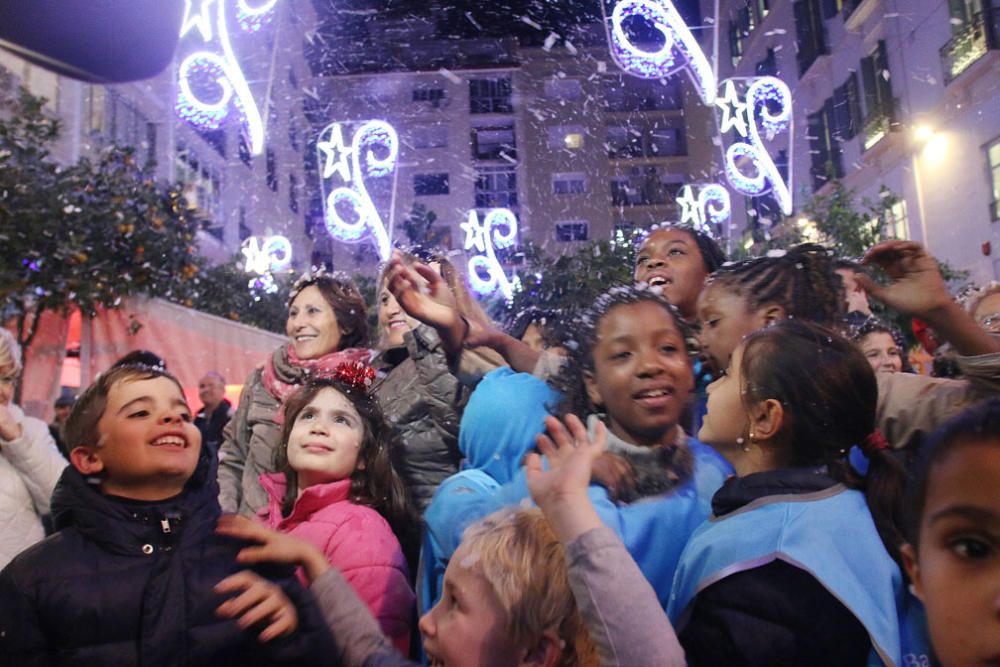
30,463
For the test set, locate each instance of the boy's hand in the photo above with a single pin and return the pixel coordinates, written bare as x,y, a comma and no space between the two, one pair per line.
273,547
257,601
561,491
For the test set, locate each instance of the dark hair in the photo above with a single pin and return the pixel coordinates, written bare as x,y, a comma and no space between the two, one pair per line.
977,424
348,305
872,325
829,394
569,382
81,425
712,256
141,358
374,484
543,318
802,281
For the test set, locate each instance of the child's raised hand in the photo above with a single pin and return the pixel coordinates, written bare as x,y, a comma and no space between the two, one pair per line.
272,547
257,601
917,287
421,292
561,491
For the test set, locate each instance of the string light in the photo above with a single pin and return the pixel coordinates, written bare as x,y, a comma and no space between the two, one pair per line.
680,49
734,110
218,68
711,207
269,254
486,238
344,174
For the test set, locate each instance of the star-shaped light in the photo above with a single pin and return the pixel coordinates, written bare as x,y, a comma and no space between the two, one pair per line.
734,110
475,235
337,154
200,19
690,207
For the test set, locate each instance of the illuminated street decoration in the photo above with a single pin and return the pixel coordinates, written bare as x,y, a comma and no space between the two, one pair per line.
216,71
734,110
680,50
266,256
344,172
486,238
763,95
710,207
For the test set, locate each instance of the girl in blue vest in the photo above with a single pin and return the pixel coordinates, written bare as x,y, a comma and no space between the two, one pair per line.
953,531
797,564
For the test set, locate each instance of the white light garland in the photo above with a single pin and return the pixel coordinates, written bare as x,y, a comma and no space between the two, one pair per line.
680,49
344,171
217,66
486,238
711,206
268,254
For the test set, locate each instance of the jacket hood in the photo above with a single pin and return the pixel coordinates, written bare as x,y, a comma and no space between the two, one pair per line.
117,523
500,422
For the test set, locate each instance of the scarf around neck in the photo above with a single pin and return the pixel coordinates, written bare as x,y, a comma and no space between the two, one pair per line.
284,372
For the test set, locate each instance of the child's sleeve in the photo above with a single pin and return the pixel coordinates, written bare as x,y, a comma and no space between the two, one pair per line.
21,639
311,643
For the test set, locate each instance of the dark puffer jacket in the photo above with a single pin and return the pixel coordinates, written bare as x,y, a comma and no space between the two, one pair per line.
423,401
131,583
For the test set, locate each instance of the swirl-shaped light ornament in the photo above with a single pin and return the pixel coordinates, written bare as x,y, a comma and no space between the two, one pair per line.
265,257
217,67
711,206
766,177
486,238
343,177
680,49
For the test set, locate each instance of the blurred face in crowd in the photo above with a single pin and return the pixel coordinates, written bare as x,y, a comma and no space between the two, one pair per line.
670,259
956,567
393,320
8,380
988,313
880,348
312,325
211,390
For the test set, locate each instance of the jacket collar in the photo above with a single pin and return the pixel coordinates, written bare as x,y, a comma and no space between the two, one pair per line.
311,500
737,492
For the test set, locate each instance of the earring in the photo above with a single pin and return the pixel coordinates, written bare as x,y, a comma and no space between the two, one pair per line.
748,442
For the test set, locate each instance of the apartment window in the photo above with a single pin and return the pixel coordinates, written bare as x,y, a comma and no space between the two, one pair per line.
563,89
293,193
629,94
769,65
494,143
150,142
272,170
490,95
879,104
126,124
847,109
431,96
624,233
293,134
496,187
568,137
623,142
429,136
202,183
896,224
824,149
666,142
244,227
993,162
430,184
763,8
93,109
740,27
810,33
575,230
645,186
973,34
569,184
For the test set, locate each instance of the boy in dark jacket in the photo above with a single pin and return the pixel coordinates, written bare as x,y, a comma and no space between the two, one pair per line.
135,573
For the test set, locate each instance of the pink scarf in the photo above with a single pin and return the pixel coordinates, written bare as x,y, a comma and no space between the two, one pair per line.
285,372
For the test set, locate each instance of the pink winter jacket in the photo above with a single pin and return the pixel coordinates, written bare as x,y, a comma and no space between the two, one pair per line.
357,541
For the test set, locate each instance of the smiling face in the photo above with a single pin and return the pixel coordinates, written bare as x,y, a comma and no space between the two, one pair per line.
641,377
148,446
325,441
670,259
957,568
392,320
466,627
312,325
881,351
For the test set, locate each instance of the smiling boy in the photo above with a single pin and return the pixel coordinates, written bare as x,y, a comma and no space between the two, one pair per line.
133,574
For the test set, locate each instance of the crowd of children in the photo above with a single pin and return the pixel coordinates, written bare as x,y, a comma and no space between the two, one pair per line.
721,464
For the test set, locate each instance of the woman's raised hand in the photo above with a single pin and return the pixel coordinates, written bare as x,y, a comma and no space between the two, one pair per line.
561,491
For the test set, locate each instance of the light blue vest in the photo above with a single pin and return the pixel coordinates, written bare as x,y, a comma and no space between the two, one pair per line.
831,535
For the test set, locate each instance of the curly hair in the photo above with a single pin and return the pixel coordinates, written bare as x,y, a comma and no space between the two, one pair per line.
348,305
522,559
872,325
374,482
801,280
579,344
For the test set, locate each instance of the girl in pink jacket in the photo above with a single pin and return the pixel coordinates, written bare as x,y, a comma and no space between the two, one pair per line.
338,491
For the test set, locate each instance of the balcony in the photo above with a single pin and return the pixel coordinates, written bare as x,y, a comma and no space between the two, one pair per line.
969,44
878,124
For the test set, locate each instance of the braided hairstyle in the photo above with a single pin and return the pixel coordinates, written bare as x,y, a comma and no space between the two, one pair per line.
829,395
569,382
802,281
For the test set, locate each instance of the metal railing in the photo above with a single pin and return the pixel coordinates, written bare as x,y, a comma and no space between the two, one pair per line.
969,44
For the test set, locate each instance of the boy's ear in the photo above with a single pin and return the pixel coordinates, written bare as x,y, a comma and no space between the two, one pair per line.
766,419
593,392
545,653
86,460
909,555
